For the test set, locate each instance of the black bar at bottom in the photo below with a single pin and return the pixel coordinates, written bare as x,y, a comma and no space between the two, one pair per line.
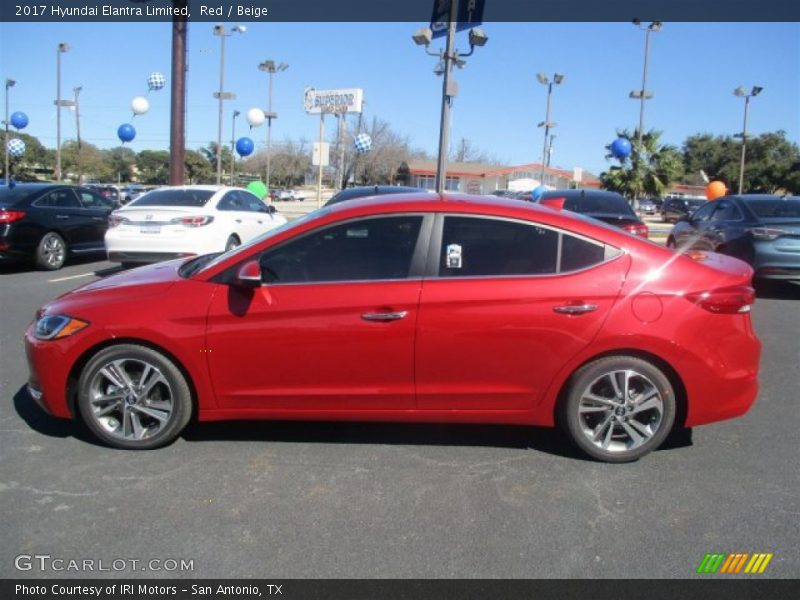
732,588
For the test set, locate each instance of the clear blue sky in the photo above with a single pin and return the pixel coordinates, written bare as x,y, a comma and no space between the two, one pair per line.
694,68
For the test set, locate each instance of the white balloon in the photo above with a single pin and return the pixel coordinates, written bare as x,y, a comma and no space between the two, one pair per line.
140,105
255,116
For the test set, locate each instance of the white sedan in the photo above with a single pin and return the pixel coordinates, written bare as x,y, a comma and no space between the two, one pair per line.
172,222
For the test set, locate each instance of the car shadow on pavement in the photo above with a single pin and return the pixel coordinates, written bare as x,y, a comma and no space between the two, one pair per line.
776,290
541,439
39,421
13,267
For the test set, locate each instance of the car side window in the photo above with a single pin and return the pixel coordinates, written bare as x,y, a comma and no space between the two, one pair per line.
92,200
476,246
704,212
228,202
727,211
252,202
64,198
361,250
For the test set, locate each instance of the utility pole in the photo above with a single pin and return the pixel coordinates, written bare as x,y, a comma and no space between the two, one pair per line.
448,93
61,49
236,113
9,84
177,131
76,91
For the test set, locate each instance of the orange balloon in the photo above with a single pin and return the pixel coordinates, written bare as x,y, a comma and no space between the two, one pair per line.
715,189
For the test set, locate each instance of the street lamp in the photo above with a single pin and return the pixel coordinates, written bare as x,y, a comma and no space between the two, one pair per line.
270,67
236,113
61,49
741,93
222,95
547,124
9,84
643,94
447,58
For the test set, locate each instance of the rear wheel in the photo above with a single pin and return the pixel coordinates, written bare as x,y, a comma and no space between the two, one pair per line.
134,397
619,408
51,254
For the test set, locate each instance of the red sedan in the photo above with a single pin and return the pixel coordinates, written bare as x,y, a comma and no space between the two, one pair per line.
410,308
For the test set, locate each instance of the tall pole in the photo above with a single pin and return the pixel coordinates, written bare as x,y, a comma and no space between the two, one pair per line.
58,112
177,133
342,134
744,144
221,88
546,130
319,158
644,85
444,123
77,91
233,143
9,84
269,133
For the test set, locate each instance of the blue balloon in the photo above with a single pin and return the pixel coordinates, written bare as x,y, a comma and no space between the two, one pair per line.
19,120
538,192
126,132
245,146
621,147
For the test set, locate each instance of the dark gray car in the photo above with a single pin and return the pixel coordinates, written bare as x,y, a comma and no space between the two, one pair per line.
763,230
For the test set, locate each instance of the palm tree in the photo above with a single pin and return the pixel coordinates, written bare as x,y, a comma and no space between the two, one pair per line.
649,170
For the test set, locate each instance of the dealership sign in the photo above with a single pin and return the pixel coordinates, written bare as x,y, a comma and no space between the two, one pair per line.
333,101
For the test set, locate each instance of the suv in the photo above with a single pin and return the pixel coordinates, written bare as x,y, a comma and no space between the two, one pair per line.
674,209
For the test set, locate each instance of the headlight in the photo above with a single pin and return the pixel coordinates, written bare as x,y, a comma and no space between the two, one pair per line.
53,327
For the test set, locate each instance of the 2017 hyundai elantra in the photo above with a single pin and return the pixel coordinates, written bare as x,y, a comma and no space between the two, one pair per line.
410,308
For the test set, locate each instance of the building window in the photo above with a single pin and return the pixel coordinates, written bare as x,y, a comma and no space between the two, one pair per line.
428,182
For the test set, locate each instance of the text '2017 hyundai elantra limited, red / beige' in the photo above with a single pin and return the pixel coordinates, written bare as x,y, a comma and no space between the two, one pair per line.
410,308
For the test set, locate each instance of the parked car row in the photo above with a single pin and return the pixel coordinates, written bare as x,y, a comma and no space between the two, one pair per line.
49,223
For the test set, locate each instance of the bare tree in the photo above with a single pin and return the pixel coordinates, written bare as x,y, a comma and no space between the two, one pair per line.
466,151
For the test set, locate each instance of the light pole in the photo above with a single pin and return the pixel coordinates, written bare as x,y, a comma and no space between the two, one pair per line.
643,94
270,67
447,58
76,91
222,95
61,49
547,123
9,84
741,93
236,113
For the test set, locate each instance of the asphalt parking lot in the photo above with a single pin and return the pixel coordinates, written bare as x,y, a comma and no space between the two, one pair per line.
322,500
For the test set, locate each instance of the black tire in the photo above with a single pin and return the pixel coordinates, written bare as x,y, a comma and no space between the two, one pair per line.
51,253
157,433
582,418
233,242
671,243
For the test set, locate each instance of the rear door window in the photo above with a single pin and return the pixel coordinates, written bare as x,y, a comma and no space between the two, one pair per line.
64,198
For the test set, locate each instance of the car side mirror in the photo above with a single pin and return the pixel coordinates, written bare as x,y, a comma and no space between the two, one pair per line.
271,209
249,275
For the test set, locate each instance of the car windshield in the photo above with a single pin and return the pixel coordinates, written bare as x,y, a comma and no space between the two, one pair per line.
605,203
320,212
778,208
174,197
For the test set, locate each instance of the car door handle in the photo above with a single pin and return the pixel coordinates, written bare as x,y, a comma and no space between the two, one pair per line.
62,217
575,309
387,316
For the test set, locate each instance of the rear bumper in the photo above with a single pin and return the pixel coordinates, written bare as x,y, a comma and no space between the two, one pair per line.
778,259
145,257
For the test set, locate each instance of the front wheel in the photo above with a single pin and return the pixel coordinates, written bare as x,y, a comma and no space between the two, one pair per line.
233,242
133,397
618,408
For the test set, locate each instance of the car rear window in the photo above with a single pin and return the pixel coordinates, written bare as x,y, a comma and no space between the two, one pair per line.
174,197
779,208
9,197
610,204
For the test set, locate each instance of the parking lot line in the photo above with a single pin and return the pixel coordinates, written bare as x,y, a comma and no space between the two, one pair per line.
70,277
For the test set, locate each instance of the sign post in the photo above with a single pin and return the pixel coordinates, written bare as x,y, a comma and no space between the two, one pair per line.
322,102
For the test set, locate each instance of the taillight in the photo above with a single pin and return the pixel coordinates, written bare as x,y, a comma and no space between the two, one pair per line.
639,229
727,300
9,216
766,233
193,221
114,220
